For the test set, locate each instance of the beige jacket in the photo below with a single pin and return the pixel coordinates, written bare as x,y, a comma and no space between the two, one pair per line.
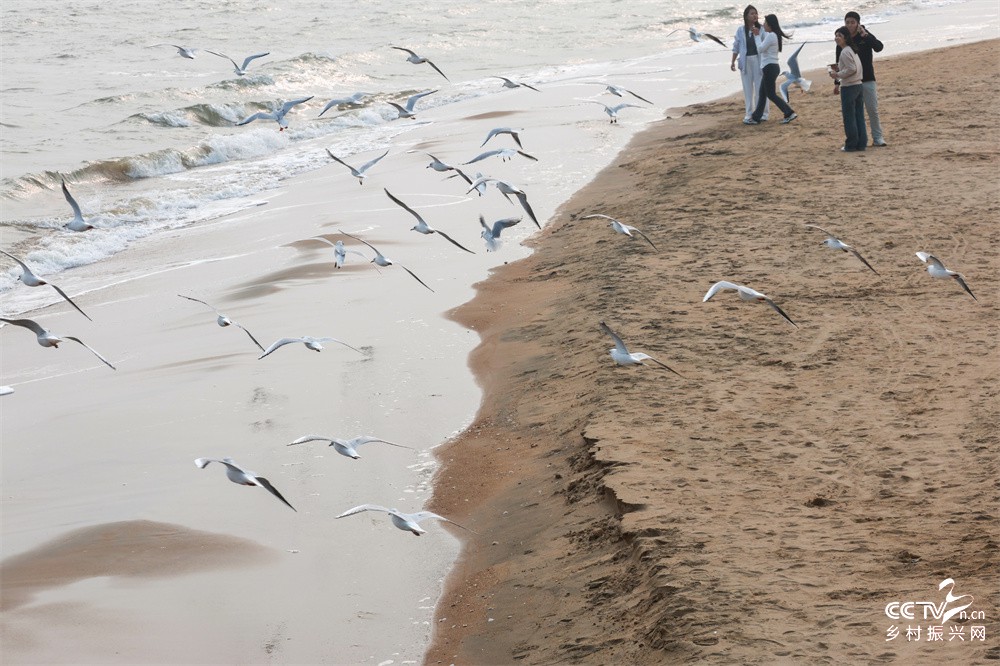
849,68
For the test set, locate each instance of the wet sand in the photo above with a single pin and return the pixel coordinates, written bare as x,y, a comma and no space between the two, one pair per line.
766,507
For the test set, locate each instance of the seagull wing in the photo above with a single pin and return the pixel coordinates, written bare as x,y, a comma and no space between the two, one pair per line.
524,154
249,59
264,483
341,342
600,215
332,103
459,172
287,106
452,241
260,115
637,96
641,234
69,300
436,69
523,198
784,89
244,329
310,438
500,225
276,345
340,161
719,286
775,307
404,206
29,324
619,107
483,156
525,85
368,165
492,133
210,307
863,260
424,515
961,281
413,275
364,507
403,113
793,64
72,202
714,39
813,226
412,100
664,365
370,246
614,336
400,48
92,350
928,258
368,439
222,55
24,266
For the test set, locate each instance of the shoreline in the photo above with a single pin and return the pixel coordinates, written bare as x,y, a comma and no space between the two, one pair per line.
587,561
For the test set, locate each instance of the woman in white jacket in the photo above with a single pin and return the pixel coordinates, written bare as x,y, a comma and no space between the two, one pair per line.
852,104
769,45
745,56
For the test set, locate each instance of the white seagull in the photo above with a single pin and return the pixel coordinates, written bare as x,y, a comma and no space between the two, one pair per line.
697,36
619,227
438,165
406,111
504,154
353,100
382,260
491,234
223,320
47,339
423,227
244,477
6,390
835,243
793,76
77,223
612,111
419,60
504,130
506,189
182,51
508,83
277,116
618,90
32,280
408,522
362,171
240,70
339,251
622,356
310,343
936,269
347,447
746,294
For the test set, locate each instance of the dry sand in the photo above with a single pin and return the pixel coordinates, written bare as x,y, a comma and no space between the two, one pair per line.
769,506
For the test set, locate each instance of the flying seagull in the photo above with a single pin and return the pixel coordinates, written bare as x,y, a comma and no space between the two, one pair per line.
504,130
936,269
362,171
622,356
418,60
32,280
619,227
182,51
491,234
382,260
244,477
347,447
835,243
310,342
440,166
407,522
277,116
47,339
697,36
339,251
506,189
353,100
612,111
507,83
746,294
618,90
423,227
77,223
240,70
223,320
406,111
793,76
505,154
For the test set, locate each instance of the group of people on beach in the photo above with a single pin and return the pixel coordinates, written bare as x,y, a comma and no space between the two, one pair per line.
755,52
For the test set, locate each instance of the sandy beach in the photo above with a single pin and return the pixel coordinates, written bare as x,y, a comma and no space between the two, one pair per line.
766,507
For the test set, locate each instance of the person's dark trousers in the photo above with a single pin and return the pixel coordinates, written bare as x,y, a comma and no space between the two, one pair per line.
852,107
767,92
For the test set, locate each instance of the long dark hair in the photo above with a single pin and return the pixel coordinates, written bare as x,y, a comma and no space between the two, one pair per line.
846,34
747,11
772,21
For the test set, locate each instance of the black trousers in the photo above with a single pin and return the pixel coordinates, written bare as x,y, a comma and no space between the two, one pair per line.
767,92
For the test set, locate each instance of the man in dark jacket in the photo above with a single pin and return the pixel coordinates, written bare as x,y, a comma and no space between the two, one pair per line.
865,45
